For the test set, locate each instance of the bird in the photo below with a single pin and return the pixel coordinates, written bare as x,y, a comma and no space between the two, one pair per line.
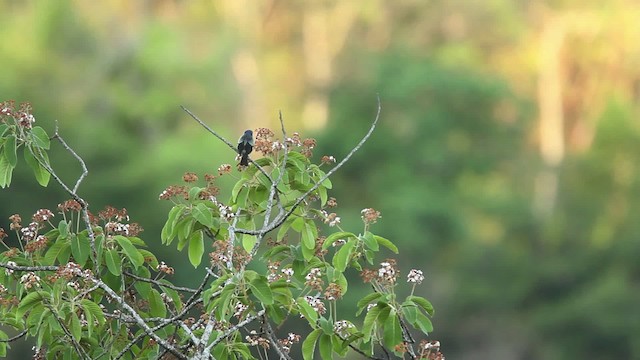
245,146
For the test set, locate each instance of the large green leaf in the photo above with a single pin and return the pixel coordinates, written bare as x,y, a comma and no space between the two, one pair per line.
157,307
114,262
6,171
309,344
392,334
40,137
343,255
130,251
41,174
203,215
80,248
260,288
196,248
10,150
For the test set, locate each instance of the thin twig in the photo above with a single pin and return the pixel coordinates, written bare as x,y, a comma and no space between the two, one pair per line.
230,331
149,331
274,341
79,350
158,283
21,334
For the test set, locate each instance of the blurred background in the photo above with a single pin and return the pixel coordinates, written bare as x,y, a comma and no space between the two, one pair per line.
505,163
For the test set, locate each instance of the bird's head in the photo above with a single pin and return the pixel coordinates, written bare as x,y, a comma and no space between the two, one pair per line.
248,133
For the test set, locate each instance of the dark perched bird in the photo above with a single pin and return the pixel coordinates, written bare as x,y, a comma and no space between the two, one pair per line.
245,146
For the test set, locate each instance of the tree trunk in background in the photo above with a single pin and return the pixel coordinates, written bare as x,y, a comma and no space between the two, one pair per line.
551,130
324,30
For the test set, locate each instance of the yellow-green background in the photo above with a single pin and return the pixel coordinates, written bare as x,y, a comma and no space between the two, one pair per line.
505,165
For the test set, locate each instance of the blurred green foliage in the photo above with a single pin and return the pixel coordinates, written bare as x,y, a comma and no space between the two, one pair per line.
452,166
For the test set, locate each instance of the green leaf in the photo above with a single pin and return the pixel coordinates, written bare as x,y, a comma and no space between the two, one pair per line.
174,295
80,248
63,227
40,137
260,288
143,287
60,246
41,174
248,241
423,323
196,248
76,328
6,171
241,200
29,301
94,309
325,346
410,311
336,236
309,234
156,305
130,251
298,224
184,229
236,189
370,321
386,243
325,325
169,230
114,262
392,335
10,150
322,191
284,228
309,344
3,343
369,241
343,255
149,258
203,215
423,303
277,253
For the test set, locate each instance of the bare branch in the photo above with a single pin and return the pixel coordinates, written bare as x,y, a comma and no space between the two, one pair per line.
28,268
158,283
14,338
149,331
85,171
232,329
283,354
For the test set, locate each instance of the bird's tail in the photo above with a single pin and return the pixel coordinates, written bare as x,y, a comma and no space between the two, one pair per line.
244,160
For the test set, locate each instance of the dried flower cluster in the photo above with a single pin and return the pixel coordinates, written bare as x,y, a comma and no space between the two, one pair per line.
275,275
314,279
316,304
332,219
333,292
370,215
430,350
114,222
22,115
287,342
70,205
415,276
254,339
163,267
386,274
